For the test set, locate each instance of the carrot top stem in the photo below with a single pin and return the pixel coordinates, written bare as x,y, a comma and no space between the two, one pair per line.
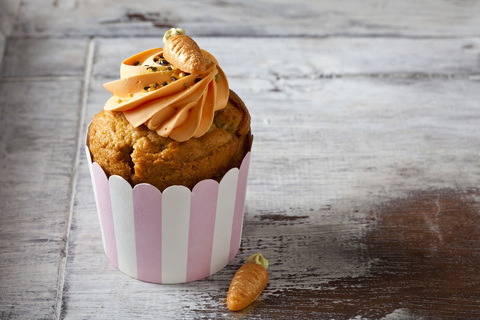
172,32
258,259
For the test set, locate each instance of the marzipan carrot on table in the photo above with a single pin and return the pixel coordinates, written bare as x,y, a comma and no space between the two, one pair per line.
248,282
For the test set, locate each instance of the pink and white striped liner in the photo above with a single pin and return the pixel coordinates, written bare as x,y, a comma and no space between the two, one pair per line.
171,237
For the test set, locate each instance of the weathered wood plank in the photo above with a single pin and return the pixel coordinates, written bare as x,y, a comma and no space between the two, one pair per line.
341,119
422,258
42,57
3,41
353,138
369,139
266,18
8,14
328,156
282,59
38,125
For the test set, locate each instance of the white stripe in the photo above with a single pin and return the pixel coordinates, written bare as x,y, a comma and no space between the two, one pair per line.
90,168
175,226
227,192
124,225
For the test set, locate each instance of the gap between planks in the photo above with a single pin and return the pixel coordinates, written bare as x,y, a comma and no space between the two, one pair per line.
386,75
45,78
344,35
62,265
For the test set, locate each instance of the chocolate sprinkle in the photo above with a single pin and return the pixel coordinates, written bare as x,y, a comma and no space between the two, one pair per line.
136,63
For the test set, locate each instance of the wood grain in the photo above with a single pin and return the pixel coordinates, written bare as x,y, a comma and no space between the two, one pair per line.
232,18
421,255
360,132
35,188
8,9
364,181
282,58
41,58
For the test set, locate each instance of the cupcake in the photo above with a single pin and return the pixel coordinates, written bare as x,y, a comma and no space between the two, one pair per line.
169,157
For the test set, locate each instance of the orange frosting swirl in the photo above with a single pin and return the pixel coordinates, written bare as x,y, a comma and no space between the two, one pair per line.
179,108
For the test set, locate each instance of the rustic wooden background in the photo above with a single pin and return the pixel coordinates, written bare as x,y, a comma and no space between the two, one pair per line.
364,188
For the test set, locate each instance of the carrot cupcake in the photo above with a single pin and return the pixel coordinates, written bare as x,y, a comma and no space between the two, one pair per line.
169,158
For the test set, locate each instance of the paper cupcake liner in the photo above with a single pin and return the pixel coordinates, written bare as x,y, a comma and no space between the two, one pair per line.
175,236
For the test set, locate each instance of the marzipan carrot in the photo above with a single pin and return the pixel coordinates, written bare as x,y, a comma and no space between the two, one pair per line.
248,282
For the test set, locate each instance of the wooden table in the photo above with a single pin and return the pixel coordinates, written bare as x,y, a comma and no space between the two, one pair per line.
364,189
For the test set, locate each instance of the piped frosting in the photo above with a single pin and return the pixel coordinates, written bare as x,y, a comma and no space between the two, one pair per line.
172,101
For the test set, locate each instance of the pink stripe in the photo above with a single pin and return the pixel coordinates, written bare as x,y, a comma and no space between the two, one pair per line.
105,207
239,207
147,207
202,224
